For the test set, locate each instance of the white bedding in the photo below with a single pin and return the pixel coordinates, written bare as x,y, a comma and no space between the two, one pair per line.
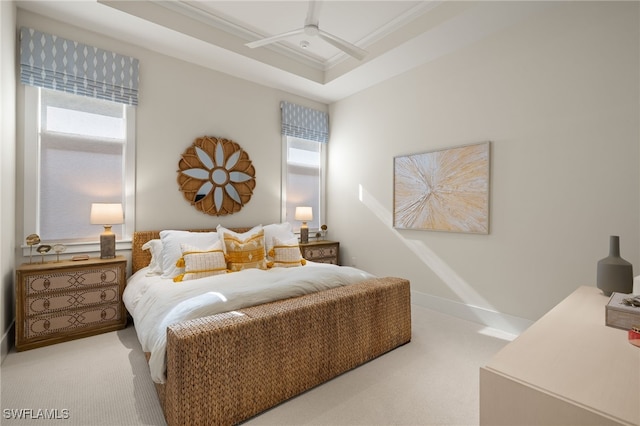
155,302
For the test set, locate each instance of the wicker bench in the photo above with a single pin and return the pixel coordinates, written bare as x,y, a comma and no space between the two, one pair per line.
226,368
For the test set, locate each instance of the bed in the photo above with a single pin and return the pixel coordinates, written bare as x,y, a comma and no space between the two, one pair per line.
234,360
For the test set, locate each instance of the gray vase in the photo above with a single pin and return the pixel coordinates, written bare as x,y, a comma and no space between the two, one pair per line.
614,273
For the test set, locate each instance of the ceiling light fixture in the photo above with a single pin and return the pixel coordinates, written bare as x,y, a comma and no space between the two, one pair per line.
312,30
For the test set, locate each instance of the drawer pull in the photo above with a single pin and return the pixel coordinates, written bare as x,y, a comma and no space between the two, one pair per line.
103,295
46,283
103,277
46,304
46,324
103,314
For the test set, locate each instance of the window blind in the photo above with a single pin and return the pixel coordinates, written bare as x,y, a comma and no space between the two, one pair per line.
55,63
304,123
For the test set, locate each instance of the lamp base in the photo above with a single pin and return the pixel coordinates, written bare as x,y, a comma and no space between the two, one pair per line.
107,245
304,235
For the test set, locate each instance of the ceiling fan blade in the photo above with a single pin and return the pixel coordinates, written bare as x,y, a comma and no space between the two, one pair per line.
345,46
274,38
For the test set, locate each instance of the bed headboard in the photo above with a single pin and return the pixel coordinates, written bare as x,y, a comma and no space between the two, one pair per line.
141,258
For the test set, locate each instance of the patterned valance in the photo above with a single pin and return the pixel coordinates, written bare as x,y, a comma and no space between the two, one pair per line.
56,63
305,123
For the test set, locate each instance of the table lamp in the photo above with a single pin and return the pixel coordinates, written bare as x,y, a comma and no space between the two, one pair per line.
304,214
107,214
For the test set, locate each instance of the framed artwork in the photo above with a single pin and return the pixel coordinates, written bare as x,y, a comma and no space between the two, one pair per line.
444,190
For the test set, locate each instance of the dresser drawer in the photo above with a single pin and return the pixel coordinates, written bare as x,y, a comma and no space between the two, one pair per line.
51,302
321,251
70,321
68,280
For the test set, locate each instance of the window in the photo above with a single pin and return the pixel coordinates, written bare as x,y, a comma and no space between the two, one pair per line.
303,179
78,150
305,133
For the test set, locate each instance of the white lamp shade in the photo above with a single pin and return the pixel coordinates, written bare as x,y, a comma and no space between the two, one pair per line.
304,214
106,214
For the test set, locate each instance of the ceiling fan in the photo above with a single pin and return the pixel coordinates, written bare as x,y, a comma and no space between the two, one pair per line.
312,29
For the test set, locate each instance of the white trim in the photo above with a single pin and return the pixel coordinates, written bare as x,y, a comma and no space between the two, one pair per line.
31,174
324,148
283,178
129,174
504,322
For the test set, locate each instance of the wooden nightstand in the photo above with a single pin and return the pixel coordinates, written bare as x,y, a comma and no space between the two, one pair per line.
321,251
60,301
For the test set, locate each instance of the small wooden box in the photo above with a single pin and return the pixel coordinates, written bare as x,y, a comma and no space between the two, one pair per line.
620,315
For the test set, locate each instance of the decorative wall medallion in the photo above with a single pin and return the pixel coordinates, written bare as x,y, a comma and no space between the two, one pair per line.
216,176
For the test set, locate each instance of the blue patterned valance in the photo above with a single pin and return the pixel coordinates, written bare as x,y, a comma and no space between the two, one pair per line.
305,123
55,63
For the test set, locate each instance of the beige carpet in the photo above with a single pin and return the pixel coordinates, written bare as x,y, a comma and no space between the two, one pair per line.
104,380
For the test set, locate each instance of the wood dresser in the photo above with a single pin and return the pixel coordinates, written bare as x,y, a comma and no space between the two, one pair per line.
568,368
321,251
61,301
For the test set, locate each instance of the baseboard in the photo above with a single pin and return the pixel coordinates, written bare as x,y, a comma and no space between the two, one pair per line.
506,323
5,343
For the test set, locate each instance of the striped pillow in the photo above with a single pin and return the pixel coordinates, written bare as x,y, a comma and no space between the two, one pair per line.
286,254
199,263
245,253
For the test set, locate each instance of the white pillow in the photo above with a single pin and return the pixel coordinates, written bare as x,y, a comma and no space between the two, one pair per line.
155,248
171,250
281,231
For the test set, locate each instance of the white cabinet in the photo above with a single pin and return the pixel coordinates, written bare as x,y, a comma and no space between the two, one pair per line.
568,368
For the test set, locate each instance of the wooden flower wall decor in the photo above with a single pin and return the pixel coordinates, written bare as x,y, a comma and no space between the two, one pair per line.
216,176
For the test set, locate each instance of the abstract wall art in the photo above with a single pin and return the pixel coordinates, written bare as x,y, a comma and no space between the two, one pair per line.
444,190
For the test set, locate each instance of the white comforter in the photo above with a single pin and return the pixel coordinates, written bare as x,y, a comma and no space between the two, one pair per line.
155,303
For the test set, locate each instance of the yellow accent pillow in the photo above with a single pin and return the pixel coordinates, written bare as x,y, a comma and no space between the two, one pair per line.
245,253
286,254
199,263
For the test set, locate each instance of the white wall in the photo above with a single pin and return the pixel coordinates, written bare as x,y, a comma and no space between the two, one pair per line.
558,97
7,168
207,103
